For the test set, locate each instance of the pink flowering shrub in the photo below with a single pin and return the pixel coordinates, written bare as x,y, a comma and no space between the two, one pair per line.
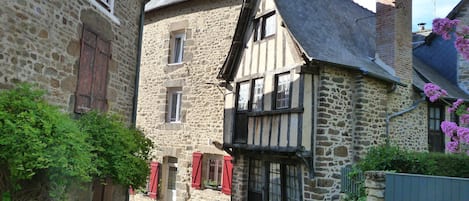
446,27
456,133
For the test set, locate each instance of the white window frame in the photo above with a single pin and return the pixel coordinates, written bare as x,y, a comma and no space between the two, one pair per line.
177,117
258,95
107,8
244,94
177,49
218,166
283,83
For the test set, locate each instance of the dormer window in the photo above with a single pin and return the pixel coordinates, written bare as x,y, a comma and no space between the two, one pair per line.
265,26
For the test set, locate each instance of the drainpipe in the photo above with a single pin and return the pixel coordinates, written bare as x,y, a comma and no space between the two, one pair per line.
412,107
137,66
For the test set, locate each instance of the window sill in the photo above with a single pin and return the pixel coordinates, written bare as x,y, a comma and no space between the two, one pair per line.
175,64
173,125
105,12
275,112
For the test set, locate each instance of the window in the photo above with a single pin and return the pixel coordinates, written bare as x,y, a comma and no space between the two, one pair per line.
435,135
107,4
212,171
106,7
258,95
282,92
92,74
281,180
243,96
265,26
177,47
214,168
174,109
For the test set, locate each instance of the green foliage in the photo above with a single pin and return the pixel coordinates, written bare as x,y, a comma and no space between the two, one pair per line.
389,158
37,137
120,152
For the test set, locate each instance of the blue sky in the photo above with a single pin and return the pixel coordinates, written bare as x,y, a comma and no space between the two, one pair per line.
422,10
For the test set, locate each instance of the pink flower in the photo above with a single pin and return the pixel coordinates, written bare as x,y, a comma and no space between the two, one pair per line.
462,46
433,92
463,134
449,128
455,106
444,27
464,119
452,146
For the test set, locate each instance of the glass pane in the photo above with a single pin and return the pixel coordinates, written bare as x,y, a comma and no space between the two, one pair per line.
437,113
270,25
174,104
258,95
243,96
283,91
275,193
432,124
255,176
293,187
172,178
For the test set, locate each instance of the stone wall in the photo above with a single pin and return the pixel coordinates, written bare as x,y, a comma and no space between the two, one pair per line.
463,64
209,27
351,119
375,185
40,43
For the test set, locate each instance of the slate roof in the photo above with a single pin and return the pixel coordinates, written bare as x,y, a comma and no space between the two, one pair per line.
333,31
436,61
156,4
425,74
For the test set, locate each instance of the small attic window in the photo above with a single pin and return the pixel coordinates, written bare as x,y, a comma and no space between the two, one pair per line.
265,26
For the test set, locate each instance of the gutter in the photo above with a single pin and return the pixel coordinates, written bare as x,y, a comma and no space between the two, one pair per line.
412,107
137,66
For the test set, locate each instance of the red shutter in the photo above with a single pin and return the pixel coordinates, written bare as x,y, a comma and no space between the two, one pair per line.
197,170
102,57
153,187
85,72
227,175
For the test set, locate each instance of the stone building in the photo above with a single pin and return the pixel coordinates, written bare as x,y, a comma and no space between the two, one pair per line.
311,85
180,99
85,53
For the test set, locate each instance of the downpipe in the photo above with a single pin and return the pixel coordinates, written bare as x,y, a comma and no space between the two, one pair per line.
412,107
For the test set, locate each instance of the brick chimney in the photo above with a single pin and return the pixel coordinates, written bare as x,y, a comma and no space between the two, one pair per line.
394,36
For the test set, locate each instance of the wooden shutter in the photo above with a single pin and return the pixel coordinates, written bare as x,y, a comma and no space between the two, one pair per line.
92,74
227,175
85,72
99,87
153,187
197,170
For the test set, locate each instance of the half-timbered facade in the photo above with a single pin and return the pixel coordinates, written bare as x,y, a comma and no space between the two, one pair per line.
309,90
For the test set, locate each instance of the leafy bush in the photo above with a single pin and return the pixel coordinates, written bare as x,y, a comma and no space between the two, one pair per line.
119,152
36,137
37,140
394,159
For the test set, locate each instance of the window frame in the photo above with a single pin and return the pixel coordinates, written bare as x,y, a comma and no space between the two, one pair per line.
260,26
435,133
255,97
177,49
107,8
248,95
263,190
178,92
218,171
275,103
